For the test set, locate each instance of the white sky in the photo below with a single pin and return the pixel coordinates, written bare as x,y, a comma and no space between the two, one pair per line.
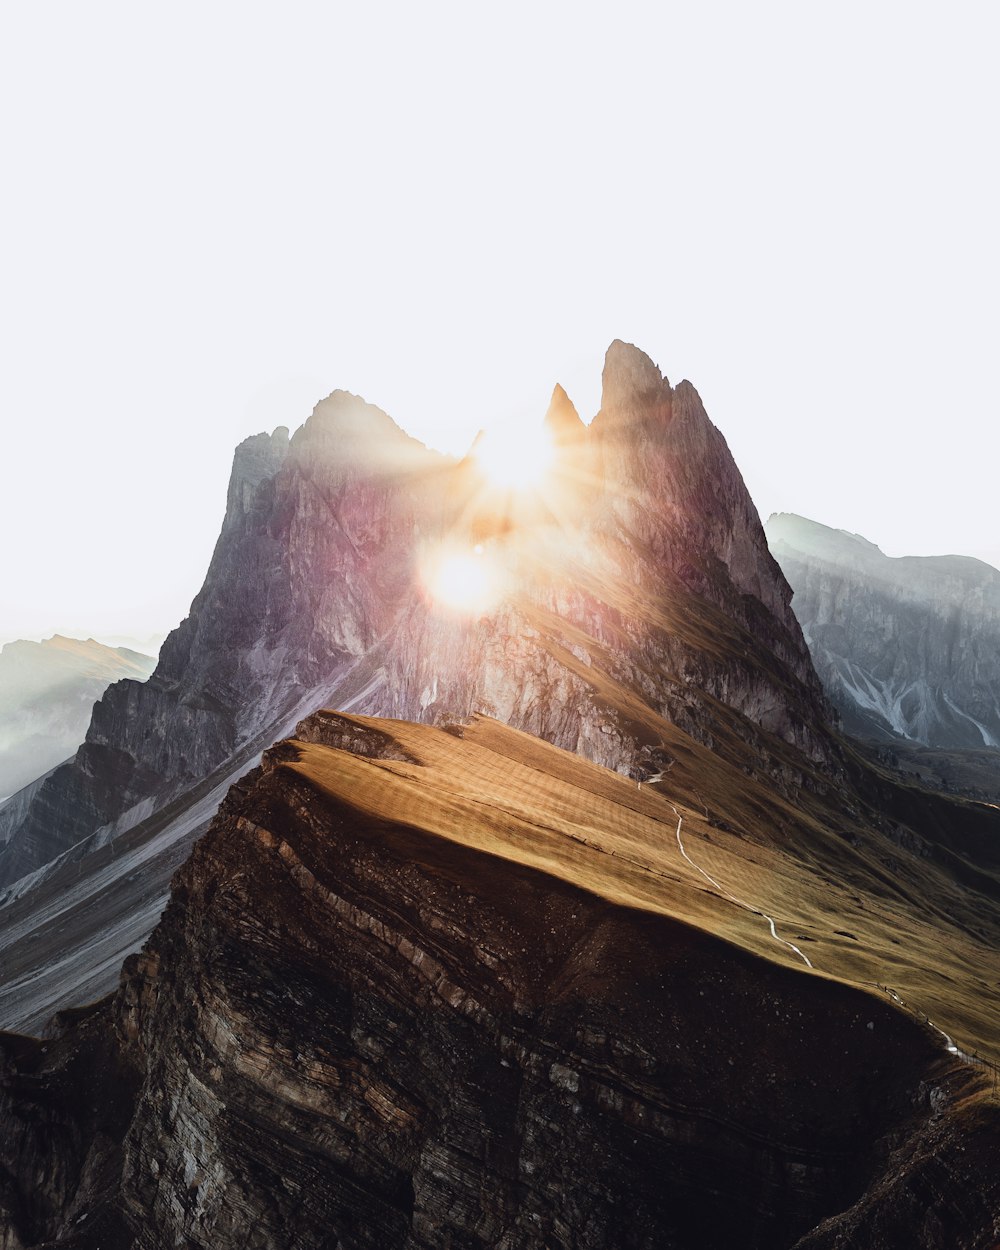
213,214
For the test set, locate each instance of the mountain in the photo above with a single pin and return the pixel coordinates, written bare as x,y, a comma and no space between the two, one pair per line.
47,692
637,583
908,649
566,921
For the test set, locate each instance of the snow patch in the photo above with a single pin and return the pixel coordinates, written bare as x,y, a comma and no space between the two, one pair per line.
988,739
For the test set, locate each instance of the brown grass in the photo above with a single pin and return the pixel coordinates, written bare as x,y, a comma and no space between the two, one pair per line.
510,795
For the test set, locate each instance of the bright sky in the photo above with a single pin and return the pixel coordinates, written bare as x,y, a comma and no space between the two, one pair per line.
214,214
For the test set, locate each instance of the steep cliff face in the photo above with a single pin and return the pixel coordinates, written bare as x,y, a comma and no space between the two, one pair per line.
421,988
907,648
641,558
675,488
308,569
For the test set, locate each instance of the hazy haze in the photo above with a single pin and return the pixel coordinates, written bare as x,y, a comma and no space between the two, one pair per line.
216,214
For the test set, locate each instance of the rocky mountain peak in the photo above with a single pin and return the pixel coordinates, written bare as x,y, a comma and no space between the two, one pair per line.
562,418
672,486
322,588
629,375
255,460
346,434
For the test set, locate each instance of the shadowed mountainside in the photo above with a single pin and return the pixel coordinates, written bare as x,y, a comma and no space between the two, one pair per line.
908,649
421,987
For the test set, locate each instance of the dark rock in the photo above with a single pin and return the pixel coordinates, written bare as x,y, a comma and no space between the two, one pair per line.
353,1032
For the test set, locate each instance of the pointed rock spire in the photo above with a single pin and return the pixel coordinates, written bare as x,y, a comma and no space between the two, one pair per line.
629,374
562,419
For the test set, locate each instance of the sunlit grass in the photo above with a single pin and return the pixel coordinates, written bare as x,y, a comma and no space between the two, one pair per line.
510,795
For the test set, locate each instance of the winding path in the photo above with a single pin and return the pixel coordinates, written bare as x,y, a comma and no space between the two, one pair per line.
950,1045
732,897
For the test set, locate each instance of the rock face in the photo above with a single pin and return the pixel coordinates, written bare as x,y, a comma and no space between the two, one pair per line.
642,557
305,576
908,649
47,692
365,1023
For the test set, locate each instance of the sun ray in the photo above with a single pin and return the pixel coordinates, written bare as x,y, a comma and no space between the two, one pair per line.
514,459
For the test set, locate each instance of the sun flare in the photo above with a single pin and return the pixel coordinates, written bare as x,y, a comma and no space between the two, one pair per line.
515,458
464,581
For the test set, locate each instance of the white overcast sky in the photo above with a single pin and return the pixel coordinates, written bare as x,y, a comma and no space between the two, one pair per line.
214,214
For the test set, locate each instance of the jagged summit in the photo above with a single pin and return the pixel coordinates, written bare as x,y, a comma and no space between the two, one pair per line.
360,434
320,561
562,417
629,374
638,565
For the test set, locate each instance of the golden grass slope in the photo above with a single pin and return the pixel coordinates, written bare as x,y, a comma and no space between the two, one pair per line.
506,794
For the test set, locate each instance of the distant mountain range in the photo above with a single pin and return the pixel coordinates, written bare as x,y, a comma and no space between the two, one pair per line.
908,649
47,693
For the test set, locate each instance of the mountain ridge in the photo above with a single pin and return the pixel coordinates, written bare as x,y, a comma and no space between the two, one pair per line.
318,557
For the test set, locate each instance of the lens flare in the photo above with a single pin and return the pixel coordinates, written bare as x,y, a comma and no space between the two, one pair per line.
464,581
515,458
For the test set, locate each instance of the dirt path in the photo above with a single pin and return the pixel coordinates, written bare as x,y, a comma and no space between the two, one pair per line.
732,897
950,1045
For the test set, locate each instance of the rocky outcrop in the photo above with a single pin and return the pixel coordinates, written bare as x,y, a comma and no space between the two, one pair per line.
674,487
908,649
362,1023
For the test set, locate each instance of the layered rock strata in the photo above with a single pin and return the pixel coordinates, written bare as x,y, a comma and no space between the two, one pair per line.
375,1014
